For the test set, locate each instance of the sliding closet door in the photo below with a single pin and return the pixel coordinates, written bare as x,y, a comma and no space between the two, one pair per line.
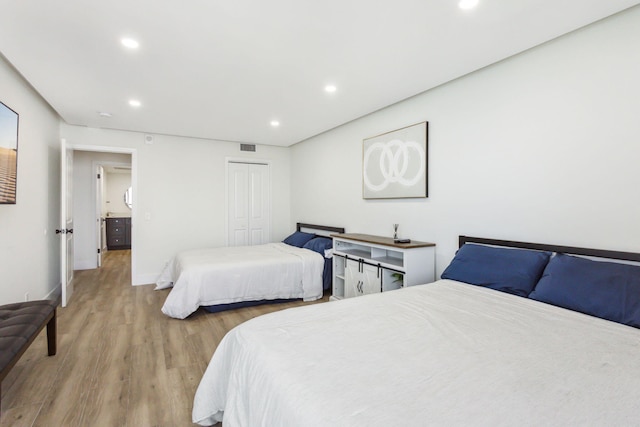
249,203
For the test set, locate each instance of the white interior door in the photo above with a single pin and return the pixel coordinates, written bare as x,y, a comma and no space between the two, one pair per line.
66,216
259,204
238,205
249,204
99,220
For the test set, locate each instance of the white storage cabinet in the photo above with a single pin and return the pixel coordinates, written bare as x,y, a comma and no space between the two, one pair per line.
365,264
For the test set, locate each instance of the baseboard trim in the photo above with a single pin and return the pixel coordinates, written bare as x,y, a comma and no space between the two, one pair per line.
145,279
85,264
55,293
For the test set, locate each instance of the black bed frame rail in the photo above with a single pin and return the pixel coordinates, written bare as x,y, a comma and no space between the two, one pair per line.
301,225
600,253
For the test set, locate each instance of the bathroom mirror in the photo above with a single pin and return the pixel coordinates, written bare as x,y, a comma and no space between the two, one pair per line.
128,197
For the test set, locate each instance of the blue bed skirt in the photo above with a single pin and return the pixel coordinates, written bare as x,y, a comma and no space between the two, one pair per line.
242,304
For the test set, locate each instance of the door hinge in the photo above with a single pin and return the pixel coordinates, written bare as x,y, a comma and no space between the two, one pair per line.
98,250
98,176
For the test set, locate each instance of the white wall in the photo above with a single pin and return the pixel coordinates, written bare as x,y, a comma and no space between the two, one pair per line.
117,184
541,147
29,247
181,190
84,204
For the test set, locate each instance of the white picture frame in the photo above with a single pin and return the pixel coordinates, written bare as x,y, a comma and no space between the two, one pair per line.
394,164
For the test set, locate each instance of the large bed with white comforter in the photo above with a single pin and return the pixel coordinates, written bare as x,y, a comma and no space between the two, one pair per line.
445,353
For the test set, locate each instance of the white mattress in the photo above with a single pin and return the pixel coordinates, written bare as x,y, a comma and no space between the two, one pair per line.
440,354
240,273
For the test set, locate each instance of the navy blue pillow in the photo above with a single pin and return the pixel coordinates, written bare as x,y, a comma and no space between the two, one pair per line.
515,271
298,238
319,244
603,289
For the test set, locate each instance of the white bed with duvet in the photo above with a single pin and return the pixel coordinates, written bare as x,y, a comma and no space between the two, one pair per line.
223,276
445,353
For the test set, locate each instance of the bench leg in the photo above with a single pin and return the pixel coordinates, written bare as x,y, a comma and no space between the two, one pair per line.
51,335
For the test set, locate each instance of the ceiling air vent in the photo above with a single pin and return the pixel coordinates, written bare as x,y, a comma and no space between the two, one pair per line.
247,147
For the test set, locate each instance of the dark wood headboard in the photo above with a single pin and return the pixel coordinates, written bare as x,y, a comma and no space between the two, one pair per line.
600,253
301,225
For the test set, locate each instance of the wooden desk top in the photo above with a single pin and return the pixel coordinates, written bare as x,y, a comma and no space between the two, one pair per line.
380,240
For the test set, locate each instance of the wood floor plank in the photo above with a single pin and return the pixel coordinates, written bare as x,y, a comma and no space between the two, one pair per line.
150,385
67,397
115,357
21,416
173,340
202,347
107,405
71,318
184,381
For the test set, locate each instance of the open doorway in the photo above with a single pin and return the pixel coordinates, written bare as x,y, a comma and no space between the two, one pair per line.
114,204
98,175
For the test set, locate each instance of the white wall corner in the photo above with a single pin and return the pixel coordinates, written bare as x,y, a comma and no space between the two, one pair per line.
55,293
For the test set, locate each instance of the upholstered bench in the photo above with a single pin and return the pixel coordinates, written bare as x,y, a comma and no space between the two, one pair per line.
20,324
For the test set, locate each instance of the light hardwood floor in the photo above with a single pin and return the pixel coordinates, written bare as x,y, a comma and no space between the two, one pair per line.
120,361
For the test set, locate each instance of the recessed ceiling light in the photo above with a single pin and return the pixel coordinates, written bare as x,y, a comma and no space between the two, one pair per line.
134,103
468,4
130,43
330,88
275,123
104,114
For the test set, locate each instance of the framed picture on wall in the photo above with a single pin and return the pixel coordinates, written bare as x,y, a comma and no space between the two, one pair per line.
8,154
394,164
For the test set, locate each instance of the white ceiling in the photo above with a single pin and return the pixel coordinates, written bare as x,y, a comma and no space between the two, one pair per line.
224,69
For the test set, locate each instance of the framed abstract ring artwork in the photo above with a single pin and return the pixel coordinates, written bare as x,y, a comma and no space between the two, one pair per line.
394,164
8,154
